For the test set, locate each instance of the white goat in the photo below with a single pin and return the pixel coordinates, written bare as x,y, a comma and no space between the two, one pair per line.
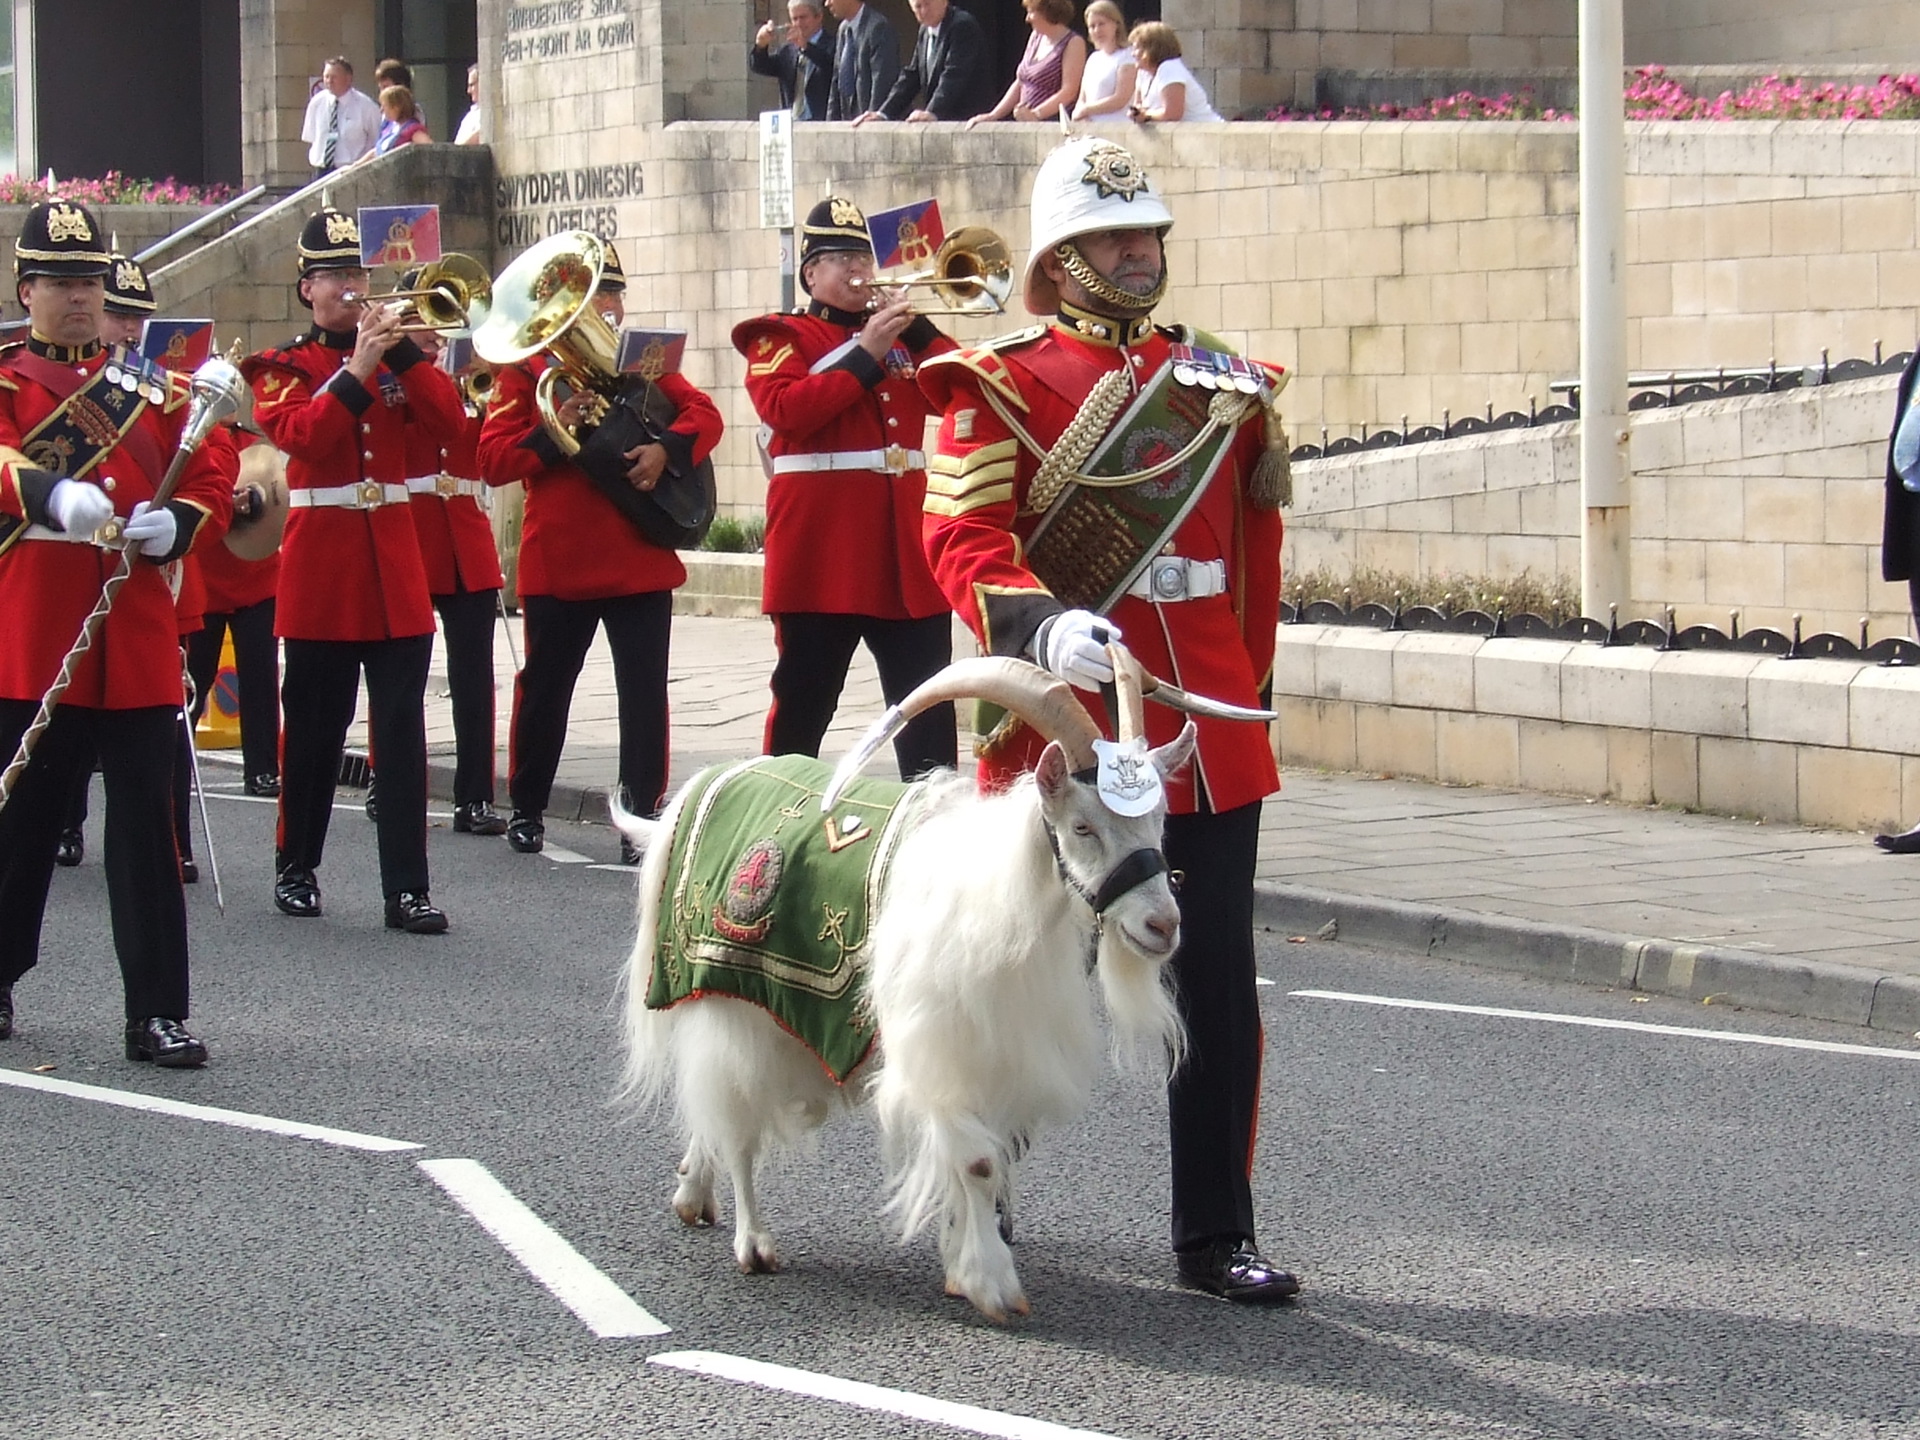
978,971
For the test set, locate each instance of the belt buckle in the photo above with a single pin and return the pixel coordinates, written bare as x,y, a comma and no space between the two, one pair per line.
108,536
446,486
894,458
1168,578
369,495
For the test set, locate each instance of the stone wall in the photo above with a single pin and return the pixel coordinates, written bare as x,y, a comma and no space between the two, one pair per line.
1786,32
1813,742
283,47
1765,505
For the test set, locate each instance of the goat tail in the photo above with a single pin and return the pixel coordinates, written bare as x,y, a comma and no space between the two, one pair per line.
1145,1016
640,831
648,1034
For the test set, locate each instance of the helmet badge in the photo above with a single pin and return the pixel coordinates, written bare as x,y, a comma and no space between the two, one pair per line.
1112,171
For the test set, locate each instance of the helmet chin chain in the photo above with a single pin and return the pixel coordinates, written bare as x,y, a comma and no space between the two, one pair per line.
1100,288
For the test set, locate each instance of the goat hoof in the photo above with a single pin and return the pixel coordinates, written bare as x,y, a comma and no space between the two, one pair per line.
695,1217
758,1258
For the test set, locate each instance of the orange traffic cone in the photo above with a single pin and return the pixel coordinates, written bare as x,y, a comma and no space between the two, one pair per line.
219,727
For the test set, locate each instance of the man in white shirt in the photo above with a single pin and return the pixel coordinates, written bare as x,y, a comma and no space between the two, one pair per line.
469,131
342,122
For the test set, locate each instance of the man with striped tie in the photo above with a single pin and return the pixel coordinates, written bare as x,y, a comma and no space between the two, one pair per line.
342,123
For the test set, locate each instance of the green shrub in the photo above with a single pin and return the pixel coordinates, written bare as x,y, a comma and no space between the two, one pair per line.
737,537
1555,598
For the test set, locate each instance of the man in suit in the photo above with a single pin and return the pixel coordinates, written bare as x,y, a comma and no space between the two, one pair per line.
803,66
949,68
866,60
1900,539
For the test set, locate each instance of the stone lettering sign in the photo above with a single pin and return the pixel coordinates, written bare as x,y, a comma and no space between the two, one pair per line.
530,207
565,29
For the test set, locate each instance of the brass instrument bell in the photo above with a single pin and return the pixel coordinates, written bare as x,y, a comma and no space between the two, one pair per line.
453,293
971,274
544,301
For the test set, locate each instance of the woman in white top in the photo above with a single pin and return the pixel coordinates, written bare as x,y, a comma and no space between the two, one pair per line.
1164,89
1106,85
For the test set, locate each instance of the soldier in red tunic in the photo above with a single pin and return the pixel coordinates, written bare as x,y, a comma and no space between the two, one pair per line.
463,576
85,441
353,593
583,565
1180,549
844,560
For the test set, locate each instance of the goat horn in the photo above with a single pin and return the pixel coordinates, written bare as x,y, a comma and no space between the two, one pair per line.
1174,698
1131,722
1045,703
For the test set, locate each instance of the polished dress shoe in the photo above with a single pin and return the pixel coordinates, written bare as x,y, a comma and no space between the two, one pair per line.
526,834
165,1042
70,848
478,817
265,786
1233,1270
296,892
189,872
6,1012
413,911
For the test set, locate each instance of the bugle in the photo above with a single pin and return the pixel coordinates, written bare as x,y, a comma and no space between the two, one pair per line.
453,293
971,274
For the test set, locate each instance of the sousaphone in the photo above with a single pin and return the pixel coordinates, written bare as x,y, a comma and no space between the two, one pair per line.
543,304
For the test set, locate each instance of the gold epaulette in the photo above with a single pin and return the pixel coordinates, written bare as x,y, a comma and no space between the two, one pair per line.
984,360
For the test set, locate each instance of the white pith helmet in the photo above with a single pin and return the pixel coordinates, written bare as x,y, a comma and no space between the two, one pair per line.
1085,185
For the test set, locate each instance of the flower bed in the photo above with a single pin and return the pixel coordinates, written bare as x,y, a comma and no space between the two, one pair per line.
113,188
1654,95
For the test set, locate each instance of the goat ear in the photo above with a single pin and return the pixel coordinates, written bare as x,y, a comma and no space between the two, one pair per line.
1052,774
1171,757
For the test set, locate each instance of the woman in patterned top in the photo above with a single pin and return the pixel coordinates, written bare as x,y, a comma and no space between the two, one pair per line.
1048,78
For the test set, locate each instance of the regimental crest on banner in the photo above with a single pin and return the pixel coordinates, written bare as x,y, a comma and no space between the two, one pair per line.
651,353
182,345
907,236
399,235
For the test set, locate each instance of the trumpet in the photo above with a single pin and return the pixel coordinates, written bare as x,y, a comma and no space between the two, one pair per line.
971,274
476,387
453,293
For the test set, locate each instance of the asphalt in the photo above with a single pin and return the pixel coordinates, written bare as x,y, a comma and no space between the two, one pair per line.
1716,910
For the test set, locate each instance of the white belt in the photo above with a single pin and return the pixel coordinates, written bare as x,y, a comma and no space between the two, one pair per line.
107,537
445,486
1174,577
894,460
367,495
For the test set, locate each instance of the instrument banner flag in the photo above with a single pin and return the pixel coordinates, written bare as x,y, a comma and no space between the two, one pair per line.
456,354
399,235
906,236
651,353
180,345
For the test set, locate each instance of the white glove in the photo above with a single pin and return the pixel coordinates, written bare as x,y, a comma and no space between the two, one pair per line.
1073,645
79,508
152,530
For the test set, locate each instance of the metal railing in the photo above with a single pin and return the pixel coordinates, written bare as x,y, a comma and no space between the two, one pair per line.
212,217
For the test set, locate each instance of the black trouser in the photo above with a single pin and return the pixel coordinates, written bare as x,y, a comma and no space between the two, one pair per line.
558,634
1213,1101
143,872
466,628
815,651
256,667
317,699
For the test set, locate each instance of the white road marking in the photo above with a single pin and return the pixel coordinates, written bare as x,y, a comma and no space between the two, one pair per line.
1262,980
857,1393
603,1307
616,869
560,855
185,1110
1785,1042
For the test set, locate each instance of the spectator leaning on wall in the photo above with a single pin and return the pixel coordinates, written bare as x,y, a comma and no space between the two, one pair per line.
1164,88
949,69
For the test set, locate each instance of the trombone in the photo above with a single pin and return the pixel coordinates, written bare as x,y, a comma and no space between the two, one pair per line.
971,274
453,293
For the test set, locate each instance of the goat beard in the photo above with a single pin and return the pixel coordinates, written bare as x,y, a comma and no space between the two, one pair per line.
1144,1019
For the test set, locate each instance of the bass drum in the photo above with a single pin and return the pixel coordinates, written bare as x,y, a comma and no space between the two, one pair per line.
262,468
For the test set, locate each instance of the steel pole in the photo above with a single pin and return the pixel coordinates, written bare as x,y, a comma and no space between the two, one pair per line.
1606,533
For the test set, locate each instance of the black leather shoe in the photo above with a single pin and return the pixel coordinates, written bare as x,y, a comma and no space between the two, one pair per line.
265,786
413,912
629,852
165,1042
477,817
189,872
296,892
71,848
1233,1270
373,801
526,834
6,1012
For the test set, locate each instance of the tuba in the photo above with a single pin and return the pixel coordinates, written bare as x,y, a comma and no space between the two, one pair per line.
971,274
542,304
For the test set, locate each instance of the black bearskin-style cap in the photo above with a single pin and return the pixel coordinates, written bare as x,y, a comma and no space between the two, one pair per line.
834,224
612,277
60,237
129,292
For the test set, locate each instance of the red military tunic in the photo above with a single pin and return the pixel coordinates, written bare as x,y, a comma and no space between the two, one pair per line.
456,538
574,544
47,587
843,540
350,573
977,523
